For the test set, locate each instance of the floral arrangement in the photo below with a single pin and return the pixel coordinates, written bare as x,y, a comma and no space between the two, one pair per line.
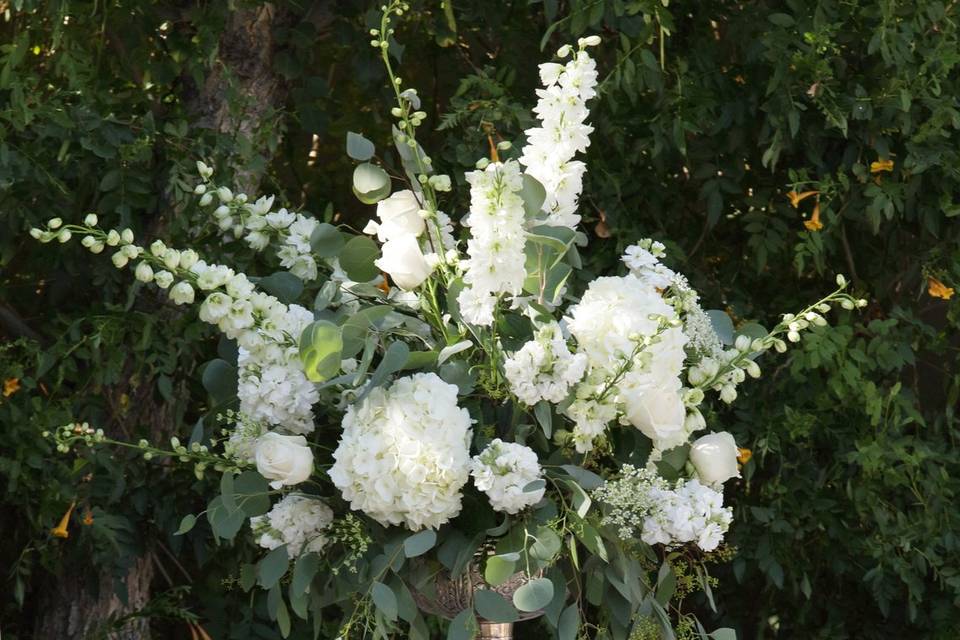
492,416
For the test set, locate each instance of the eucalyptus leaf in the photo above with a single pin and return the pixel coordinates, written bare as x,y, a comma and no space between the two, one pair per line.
534,595
321,349
491,606
358,147
370,183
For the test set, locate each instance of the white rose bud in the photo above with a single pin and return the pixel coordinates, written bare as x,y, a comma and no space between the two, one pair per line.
399,215
404,261
714,456
163,279
182,293
659,414
284,460
119,260
90,220
144,272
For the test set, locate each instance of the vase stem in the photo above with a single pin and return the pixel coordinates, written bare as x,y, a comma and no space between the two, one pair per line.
496,631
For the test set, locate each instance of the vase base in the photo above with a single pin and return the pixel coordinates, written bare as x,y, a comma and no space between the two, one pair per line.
496,631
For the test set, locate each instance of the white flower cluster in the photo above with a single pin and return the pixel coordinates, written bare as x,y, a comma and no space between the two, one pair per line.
497,238
276,392
544,368
563,132
404,454
640,502
625,329
296,521
503,470
260,226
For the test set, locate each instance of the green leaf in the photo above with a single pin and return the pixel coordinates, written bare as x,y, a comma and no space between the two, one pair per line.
283,619
357,259
393,360
224,522
586,479
282,284
533,194
248,576
358,147
534,595
543,412
321,348
500,568
722,325
569,626
463,627
251,492
491,606
724,634
220,380
357,326
385,600
272,567
226,491
186,524
666,584
419,543
303,572
547,544
370,183
326,241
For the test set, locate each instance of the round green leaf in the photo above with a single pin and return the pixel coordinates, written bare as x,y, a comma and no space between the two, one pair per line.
419,543
220,380
326,240
385,600
534,595
321,346
370,183
491,606
357,259
500,567
186,524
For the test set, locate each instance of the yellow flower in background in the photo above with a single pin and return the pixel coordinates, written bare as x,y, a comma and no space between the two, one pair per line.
814,224
938,290
744,455
881,165
60,531
10,387
797,198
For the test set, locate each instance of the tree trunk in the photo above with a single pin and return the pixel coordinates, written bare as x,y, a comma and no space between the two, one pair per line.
240,97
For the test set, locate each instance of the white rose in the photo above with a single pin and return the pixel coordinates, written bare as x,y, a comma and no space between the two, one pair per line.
285,460
404,261
399,216
715,457
659,414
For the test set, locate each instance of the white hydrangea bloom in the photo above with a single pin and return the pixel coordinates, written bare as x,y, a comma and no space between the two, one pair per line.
404,454
497,235
296,521
613,313
502,470
544,368
643,503
277,393
548,154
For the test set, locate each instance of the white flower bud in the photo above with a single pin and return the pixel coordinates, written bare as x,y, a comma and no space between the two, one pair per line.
793,336
97,248
728,393
849,305
36,233
780,346
752,368
841,281
64,236
204,171
90,220
742,343
224,194
695,376
163,279
862,302
182,293
88,241
188,258
171,259
200,189
127,236
206,199
564,51
144,272
221,212
130,250
157,248
482,164
824,308
757,345
55,223
714,456
119,260
241,198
